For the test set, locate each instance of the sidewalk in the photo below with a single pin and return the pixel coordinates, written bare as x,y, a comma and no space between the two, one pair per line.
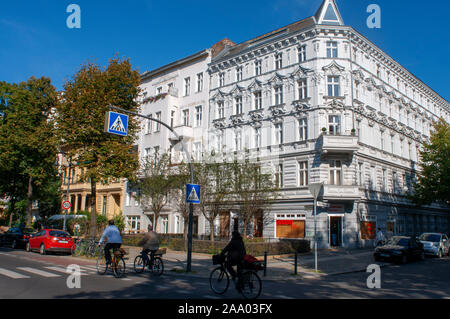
330,262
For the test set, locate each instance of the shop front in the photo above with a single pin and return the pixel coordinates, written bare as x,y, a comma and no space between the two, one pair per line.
290,225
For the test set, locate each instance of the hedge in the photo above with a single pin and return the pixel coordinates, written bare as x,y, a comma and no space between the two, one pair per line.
253,247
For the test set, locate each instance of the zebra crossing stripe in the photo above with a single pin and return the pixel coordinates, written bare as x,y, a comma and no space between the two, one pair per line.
90,268
12,274
64,270
38,272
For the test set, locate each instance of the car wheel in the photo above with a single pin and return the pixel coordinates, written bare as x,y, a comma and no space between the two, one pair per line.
42,249
404,259
14,244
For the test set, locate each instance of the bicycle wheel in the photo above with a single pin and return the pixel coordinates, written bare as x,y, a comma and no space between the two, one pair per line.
139,264
119,267
102,267
157,267
251,285
219,280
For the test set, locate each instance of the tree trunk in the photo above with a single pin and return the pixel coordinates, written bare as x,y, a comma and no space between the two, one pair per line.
211,228
29,200
11,210
93,226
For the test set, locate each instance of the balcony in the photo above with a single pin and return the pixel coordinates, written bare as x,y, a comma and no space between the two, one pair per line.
338,144
341,192
185,132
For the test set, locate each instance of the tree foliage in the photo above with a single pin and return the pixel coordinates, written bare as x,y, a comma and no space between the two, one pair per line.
27,141
434,178
81,118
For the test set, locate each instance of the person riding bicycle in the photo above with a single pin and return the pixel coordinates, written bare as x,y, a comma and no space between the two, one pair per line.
149,244
234,253
114,240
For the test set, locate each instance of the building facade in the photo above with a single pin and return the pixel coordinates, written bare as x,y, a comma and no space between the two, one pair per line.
315,102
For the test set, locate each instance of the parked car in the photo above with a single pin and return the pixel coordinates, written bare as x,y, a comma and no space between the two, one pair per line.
50,240
16,237
435,244
400,249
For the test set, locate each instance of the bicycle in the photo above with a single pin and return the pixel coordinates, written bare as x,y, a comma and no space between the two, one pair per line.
92,248
77,247
117,263
154,262
250,283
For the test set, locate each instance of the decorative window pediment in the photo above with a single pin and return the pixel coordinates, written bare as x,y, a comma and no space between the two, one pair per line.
300,72
335,104
255,86
333,68
237,90
218,96
276,79
359,75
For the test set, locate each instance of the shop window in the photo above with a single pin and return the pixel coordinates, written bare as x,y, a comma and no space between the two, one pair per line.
290,229
368,230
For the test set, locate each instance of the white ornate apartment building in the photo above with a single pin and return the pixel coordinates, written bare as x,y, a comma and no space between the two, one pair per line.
314,101
178,95
318,102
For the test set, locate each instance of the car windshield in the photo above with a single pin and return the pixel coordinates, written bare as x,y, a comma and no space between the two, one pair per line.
28,230
59,233
430,237
398,241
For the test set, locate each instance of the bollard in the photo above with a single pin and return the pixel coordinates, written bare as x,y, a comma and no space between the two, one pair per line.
265,263
295,269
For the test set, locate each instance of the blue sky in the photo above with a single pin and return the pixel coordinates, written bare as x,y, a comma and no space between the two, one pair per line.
34,38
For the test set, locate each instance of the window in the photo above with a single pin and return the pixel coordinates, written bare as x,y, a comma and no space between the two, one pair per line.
221,79
384,181
358,130
239,74
187,86
278,61
197,150
199,82
149,128
238,141
258,69
156,150
258,100
198,116
301,51
278,95
169,87
302,90
258,137
394,182
401,147
133,223
279,133
147,152
361,174
303,129
238,105
220,142
332,49
159,90
186,117
303,173
172,118
104,206
158,125
334,124
164,224
335,172
279,175
220,110
333,86
410,151
382,140
392,144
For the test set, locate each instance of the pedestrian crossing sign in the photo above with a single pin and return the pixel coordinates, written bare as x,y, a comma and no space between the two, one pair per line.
116,123
193,193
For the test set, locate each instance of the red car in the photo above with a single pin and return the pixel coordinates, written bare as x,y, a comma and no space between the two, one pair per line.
50,240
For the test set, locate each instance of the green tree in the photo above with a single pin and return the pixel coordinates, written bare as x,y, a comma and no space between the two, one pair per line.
253,191
434,177
27,140
81,118
157,179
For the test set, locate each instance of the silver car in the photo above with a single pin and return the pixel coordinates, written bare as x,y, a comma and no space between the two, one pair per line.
435,244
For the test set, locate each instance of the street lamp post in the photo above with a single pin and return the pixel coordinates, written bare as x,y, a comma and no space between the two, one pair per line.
191,206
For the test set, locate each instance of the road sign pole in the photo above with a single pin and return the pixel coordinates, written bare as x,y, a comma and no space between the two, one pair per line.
68,186
189,252
315,234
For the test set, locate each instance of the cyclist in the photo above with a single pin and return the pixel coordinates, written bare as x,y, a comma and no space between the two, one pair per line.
114,240
235,253
149,244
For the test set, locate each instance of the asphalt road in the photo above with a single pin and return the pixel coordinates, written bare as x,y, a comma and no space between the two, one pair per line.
32,276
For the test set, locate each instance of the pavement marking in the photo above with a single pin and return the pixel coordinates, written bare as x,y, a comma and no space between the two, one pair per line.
38,272
90,268
12,274
64,270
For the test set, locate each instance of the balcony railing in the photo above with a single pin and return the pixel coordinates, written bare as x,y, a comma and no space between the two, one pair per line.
347,144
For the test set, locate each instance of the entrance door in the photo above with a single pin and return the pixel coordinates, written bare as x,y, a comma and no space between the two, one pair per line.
335,231
224,225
